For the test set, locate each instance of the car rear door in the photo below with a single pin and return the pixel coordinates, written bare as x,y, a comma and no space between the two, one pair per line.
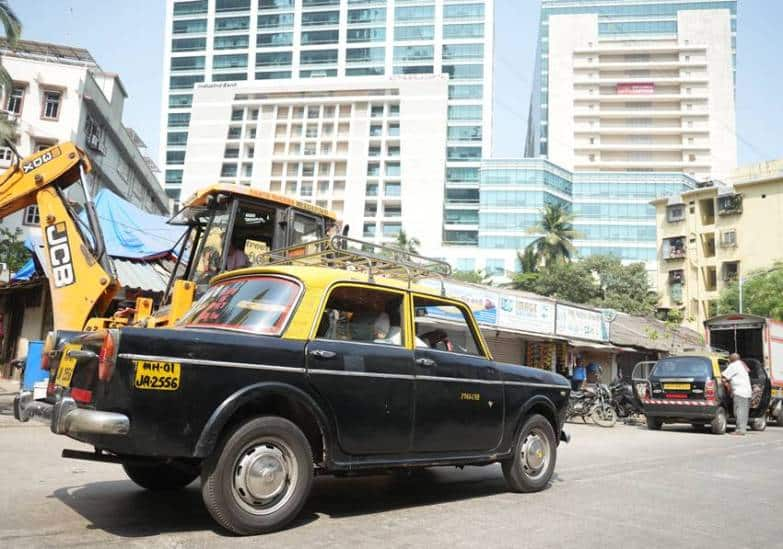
459,393
681,378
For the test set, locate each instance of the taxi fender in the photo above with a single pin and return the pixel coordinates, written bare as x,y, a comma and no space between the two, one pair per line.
538,404
210,434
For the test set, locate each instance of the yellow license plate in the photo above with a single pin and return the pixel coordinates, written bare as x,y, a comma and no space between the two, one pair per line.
156,375
677,386
67,366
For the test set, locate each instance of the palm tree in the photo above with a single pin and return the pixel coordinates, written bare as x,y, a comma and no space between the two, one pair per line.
410,245
557,234
13,28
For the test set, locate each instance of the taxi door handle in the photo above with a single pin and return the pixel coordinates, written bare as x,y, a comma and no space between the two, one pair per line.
325,355
426,362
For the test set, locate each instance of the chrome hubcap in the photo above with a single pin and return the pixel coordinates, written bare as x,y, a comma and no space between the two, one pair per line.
535,454
264,476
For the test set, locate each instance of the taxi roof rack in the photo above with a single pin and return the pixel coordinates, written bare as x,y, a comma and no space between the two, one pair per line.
351,254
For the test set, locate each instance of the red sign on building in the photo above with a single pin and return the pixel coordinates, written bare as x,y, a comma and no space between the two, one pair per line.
636,88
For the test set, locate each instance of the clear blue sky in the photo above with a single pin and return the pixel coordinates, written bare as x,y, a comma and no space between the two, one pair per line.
127,38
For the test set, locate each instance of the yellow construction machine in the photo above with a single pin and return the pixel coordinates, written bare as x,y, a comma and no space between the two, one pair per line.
220,223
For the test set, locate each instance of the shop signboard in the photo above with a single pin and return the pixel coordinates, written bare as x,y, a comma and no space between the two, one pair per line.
635,88
500,309
524,313
580,323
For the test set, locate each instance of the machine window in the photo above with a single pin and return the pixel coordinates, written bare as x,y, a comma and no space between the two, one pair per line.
363,314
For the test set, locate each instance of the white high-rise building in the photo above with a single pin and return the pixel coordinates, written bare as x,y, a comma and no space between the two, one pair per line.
318,45
636,85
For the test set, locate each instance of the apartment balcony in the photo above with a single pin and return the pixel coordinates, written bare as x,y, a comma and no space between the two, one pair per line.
638,113
642,147
657,80
621,47
638,65
460,226
633,165
638,130
629,98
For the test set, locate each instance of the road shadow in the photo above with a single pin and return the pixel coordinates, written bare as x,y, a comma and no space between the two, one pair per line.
123,509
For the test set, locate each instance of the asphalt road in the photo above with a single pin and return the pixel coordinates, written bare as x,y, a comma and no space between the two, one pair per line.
624,486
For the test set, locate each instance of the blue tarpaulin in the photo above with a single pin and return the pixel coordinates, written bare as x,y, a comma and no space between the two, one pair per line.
129,232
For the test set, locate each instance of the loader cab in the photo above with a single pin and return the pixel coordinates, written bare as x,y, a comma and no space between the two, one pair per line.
231,227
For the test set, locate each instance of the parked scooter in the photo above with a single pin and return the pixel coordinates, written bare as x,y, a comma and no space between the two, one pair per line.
593,402
625,404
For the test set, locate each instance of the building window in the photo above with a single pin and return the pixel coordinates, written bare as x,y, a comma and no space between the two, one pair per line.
675,213
15,100
93,134
39,146
31,216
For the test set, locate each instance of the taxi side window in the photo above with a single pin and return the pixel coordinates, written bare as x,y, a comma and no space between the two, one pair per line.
443,326
364,315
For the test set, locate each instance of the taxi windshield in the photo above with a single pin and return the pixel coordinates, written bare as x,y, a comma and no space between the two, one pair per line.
258,304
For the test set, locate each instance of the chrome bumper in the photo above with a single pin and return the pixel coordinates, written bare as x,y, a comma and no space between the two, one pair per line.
67,419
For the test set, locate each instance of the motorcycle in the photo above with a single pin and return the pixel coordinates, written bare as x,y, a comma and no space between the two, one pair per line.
624,402
593,402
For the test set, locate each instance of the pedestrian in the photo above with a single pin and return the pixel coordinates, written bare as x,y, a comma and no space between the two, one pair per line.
579,375
737,375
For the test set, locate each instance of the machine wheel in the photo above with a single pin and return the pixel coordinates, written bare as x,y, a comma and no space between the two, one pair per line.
605,416
533,461
654,423
259,477
161,476
719,422
758,423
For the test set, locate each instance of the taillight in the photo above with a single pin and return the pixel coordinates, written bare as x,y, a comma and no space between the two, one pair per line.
48,348
709,389
81,395
106,358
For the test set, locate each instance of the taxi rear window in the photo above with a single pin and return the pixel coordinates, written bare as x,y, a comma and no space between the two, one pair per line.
258,304
683,366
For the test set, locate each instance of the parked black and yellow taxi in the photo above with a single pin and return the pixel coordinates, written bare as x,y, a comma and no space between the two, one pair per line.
688,389
280,373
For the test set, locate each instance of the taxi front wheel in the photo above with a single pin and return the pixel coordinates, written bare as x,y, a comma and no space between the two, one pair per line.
259,477
532,463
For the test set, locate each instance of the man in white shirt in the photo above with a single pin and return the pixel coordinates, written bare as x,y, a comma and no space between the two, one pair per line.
737,374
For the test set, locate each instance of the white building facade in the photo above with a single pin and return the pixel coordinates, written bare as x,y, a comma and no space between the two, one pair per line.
636,85
61,94
372,150
318,45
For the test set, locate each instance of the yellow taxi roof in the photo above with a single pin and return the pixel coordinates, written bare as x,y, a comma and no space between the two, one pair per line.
199,198
325,276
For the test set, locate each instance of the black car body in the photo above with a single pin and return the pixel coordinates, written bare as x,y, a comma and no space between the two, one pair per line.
689,389
360,375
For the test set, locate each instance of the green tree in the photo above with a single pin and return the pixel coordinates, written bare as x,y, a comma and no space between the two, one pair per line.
476,277
762,294
409,244
12,250
601,281
13,28
555,245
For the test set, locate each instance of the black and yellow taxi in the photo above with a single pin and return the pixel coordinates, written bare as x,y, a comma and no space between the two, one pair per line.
281,373
688,388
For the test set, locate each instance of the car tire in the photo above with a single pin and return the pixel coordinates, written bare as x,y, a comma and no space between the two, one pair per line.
758,423
719,422
259,476
654,423
534,455
158,477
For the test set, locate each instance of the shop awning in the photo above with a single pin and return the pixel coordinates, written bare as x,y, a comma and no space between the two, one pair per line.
530,335
594,345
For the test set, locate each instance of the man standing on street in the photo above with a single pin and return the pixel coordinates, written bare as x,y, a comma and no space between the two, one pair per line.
737,374
579,375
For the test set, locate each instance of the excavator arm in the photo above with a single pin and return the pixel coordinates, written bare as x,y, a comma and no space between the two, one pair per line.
81,280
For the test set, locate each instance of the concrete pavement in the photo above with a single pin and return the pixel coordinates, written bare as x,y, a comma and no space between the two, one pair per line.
622,486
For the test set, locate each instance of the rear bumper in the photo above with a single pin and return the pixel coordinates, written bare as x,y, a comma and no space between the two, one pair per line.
679,410
66,418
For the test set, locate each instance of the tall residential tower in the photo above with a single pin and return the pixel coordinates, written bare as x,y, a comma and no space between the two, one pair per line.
309,46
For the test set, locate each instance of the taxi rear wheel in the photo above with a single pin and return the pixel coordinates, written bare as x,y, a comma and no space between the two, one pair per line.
654,423
259,477
719,422
534,454
161,476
